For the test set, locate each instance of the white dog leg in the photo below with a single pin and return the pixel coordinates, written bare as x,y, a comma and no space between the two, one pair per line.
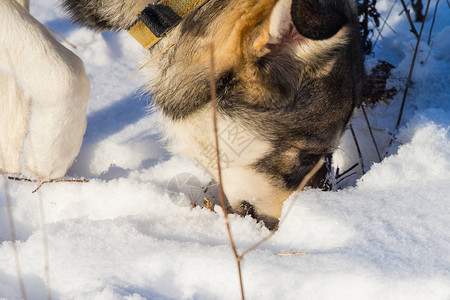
52,90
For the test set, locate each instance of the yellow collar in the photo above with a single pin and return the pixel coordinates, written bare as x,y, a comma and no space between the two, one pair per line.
157,19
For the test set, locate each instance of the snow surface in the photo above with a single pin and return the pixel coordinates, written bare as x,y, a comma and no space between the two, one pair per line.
123,235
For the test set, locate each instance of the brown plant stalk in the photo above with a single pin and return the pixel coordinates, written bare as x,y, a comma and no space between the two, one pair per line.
152,59
432,23
44,233
291,253
12,233
302,185
361,160
45,244
370,131
41,183
384,24
219,170
62,38
408,15
408,82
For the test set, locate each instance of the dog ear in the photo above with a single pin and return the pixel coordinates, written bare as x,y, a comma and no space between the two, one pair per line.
101,15
318,19
277,29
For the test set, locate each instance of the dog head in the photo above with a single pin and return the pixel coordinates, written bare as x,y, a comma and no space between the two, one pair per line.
287,71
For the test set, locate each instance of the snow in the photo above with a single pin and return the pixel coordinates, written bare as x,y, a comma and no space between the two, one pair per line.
125,235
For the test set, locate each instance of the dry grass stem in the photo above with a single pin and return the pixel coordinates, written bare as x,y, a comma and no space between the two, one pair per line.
387,24
44,231
345,175
292,253
432,23
302,185
13,237
152,59
219,170
45,244
12,232
370,131
41,183
62,38
379,30
384,23
429,52
408,82
44,241
361,161
408,15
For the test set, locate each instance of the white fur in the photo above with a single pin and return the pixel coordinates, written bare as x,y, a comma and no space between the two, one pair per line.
43,96
241,181
280,20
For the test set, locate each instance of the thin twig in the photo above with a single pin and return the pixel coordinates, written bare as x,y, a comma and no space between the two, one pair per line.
41,183
349,175
152,59
43,229
47,181
408,15
45,245
412,67
432,23
346,171
385,23
12,233
13,236
62,38
378,30
219,170
429,52
370,131
292,253
357,148
21,179
401,13
302,185
12,230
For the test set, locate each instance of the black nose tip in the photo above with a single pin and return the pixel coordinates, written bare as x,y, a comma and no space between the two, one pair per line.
317,19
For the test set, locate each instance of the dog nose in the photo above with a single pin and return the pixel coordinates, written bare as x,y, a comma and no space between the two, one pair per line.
317,19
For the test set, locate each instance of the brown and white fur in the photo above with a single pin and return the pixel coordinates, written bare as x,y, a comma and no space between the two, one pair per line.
288,75
44,91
